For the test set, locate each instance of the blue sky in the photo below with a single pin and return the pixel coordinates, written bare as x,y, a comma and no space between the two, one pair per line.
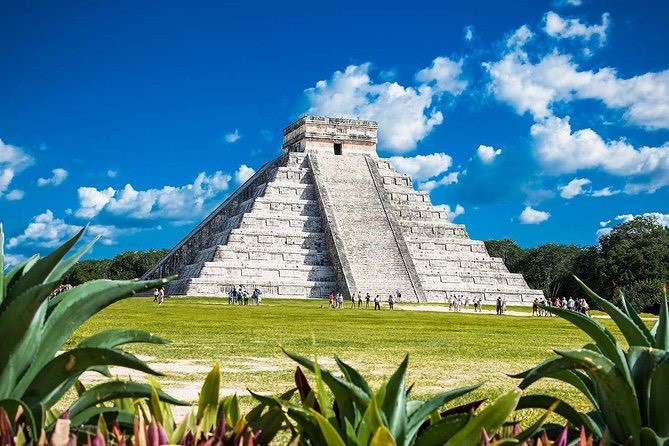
539,121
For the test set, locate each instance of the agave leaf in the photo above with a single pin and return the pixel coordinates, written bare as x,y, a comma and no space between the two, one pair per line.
154,406
321,395
210,390
630,330
65,264
40,272
605,341
662,325
370,422
308,425
232,409
302,385
354,376
489,419
394,403
76,309
117,389
178,433
13,275
648,437
269,424
383,437
642,363
619,406
21,334
329,432
417,418
2,265
57,376
634,316
658,410
440,432
119,336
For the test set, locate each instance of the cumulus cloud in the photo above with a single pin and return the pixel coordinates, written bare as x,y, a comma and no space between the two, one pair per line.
170,202
232,137
561,150
469,33
605,192
47,231
58,176
14,195
556,26
531,216
12,161
243,173
422,167
452,213
487,154
537,87
574,188
446,180
444,75
405,114
519,38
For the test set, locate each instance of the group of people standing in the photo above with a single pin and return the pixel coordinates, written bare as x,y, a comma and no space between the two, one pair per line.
577,305
240,296
336,301
159,295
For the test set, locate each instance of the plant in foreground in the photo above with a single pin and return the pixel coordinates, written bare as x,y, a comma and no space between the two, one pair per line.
628,389
34,373
357,415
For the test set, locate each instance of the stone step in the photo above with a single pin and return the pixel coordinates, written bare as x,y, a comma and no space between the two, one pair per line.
268,220
283,288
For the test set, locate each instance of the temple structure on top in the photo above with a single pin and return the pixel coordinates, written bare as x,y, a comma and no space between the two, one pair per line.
329,215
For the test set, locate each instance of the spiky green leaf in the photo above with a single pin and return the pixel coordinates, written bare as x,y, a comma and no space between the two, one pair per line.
210,391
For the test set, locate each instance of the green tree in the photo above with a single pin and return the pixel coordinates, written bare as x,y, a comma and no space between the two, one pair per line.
507,250
87,270
133,264
549,267
633,252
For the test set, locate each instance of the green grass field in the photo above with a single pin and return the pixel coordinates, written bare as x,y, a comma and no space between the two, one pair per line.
447,350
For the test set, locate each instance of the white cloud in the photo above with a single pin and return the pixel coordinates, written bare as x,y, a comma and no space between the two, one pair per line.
603,231
446,180
604,223
405,114
58,176
469,33
560,150
661,218
556,26
605,192
422,167
452,214
574,188
519,37
15,194
531,216
232,137
444,75
112,173
487,154
170,202
13,260
12,161
243,173
536,88
47,231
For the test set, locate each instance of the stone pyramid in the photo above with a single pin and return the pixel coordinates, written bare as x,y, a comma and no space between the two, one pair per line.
329,215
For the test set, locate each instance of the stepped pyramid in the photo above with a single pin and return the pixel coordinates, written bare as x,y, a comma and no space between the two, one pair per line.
329,215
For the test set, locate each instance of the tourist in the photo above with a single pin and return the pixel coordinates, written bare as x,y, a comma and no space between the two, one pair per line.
398,296
340,301
331,300
476,304
377,302
391,301
498,306
156,293
161,295
359,300
353,301
367,299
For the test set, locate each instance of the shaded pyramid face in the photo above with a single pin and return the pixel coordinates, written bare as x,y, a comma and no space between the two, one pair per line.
330,216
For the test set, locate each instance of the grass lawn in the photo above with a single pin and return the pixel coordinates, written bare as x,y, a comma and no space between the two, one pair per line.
447,350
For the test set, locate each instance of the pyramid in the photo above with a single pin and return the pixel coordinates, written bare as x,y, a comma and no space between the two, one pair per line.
329,215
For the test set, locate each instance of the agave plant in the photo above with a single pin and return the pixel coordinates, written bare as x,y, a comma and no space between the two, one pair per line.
34,371
627,388
357,415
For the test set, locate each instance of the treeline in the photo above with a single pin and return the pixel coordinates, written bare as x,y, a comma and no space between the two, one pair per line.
632,258
127,265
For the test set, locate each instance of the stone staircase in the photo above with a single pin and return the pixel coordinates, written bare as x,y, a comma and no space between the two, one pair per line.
360,225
